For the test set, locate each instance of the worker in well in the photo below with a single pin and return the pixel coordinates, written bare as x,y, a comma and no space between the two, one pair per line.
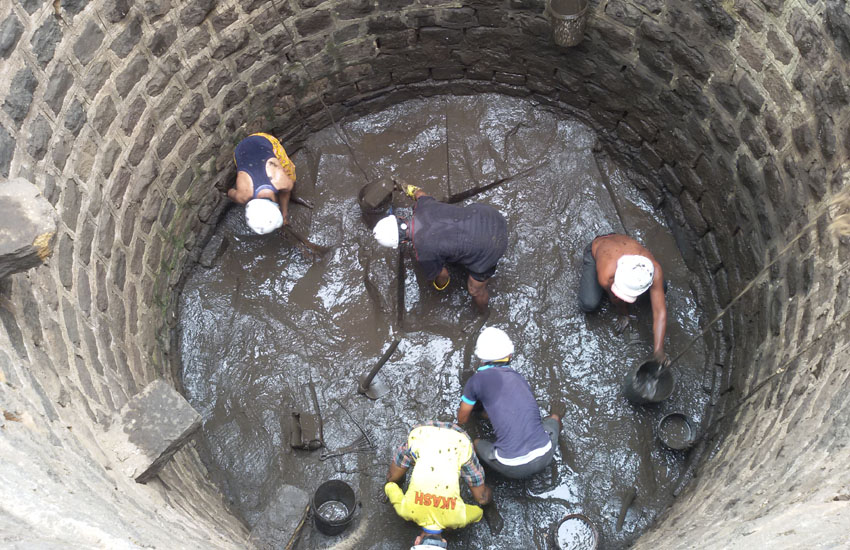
264,180
622,267
473,236
525,444
440,453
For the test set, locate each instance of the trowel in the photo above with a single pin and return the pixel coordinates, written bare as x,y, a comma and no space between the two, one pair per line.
367,385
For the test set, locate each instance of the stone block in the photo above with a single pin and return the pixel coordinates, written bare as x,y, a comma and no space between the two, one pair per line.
195,12
127,39
353,9
277,523
75,118
439,36
131,75
150,428
779,47
230,43
624,13
213,250
223,20
27,227
162,39
826,135
804,139
313,22
44,40
10,32
657,61
96,76
807,37
17,102
40,131
89,41
163,71
752,137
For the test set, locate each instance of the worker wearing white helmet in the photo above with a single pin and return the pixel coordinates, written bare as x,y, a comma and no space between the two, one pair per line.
474,237
524,443
621,267
264,180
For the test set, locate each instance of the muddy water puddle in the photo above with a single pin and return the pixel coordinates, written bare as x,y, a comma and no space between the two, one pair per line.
267,319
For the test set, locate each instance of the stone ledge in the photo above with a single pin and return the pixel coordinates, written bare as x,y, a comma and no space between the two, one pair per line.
27,227
150,428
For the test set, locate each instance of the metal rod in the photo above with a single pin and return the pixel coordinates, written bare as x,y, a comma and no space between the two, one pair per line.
293,540
463,195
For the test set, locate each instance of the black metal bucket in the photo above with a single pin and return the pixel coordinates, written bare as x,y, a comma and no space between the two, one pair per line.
327,507
646,385
575,532
676,432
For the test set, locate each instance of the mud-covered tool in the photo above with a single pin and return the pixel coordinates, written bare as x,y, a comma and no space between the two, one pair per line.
293,540
302,202
314,248
367,385
628,498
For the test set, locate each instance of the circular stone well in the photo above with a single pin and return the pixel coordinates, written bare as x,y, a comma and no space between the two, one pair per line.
733,114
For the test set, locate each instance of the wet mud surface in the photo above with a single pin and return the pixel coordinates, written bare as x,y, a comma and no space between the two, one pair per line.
269,318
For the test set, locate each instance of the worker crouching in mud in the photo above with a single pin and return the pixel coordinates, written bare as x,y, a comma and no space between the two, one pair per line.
524,444
473,236
264,180
440,453
622,267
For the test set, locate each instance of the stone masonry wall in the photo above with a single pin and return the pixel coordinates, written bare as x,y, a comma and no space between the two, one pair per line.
125,114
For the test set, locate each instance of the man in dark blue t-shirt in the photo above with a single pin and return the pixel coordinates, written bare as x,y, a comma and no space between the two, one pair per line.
473,236
524,444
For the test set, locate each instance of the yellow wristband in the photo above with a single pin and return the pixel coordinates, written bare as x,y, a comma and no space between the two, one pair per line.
434,282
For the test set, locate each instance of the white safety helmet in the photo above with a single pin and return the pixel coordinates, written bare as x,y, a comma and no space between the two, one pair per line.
263,215
430,542
386,232
633,277
493,344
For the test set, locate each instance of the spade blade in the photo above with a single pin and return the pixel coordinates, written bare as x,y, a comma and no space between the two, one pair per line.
375,390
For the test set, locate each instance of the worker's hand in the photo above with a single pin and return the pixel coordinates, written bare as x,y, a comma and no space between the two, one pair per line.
661,358
410,190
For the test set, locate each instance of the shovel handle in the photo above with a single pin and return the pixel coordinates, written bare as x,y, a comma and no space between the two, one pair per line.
384,358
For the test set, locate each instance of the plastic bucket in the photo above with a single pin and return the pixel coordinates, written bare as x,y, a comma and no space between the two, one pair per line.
643,387
675,431
333,506
569,19
576,532
374,200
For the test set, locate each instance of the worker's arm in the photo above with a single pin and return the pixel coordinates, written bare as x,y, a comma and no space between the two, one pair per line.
395,473
419,193
464,412
242,191
482,494
659,314
283,202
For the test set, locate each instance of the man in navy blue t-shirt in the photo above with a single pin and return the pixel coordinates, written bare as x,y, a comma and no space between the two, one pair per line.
473,236
524,444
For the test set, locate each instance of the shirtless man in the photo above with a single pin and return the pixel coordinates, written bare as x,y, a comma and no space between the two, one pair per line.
624,269
264,180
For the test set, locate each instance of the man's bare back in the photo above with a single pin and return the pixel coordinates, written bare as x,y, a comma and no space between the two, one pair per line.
610,248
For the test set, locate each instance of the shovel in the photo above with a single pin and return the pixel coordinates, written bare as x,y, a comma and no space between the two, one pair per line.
367,385
314,248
